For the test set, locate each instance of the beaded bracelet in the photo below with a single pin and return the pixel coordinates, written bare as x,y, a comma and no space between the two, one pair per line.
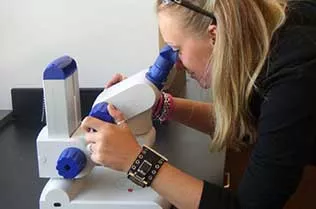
165,108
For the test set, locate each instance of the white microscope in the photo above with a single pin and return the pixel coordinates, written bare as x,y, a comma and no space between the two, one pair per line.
75,181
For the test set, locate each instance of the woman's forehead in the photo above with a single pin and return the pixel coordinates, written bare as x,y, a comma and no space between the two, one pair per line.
170,29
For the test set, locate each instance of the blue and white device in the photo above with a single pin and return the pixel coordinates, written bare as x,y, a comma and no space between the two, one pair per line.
75,181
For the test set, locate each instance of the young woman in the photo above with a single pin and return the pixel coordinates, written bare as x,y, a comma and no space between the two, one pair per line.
258,59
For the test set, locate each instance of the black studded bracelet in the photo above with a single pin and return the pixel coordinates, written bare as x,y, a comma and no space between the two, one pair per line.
145,167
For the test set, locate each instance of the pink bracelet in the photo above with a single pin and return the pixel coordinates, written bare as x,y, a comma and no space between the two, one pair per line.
164,111
171,106
158,106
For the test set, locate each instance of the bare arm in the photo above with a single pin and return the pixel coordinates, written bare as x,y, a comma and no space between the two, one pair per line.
197,115
115,146
180,189
194,114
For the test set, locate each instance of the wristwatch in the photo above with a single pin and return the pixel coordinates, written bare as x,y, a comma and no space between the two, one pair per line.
146,166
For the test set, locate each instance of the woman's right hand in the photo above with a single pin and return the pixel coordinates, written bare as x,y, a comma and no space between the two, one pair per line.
156,107
115,79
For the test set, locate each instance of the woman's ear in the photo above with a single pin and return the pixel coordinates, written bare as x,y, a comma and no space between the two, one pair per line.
212,33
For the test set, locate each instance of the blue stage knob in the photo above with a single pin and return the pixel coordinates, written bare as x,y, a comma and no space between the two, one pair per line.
71,162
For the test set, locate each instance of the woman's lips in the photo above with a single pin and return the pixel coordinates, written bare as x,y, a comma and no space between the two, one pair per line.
179,65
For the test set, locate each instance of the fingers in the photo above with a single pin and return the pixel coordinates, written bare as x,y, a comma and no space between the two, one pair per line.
94,153
90,148
91,123
91,137
95,156
96,159
116,79
117,115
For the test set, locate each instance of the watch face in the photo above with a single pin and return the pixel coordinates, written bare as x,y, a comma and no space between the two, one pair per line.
144,168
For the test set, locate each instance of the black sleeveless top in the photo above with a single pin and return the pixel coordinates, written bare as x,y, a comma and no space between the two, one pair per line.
285,110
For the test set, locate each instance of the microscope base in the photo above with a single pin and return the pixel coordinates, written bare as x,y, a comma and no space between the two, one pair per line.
102,188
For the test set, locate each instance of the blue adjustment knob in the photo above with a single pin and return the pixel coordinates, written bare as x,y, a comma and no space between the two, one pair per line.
101,112
60,69
71,162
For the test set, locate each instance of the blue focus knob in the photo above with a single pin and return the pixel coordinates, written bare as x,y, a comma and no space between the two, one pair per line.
101,112
60,69
71,162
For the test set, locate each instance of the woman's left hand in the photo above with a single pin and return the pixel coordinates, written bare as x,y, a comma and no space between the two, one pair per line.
111,145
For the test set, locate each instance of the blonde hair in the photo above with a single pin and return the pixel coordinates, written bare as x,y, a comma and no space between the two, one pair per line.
244,32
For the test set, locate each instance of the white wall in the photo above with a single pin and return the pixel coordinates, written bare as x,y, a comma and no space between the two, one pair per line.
104,36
